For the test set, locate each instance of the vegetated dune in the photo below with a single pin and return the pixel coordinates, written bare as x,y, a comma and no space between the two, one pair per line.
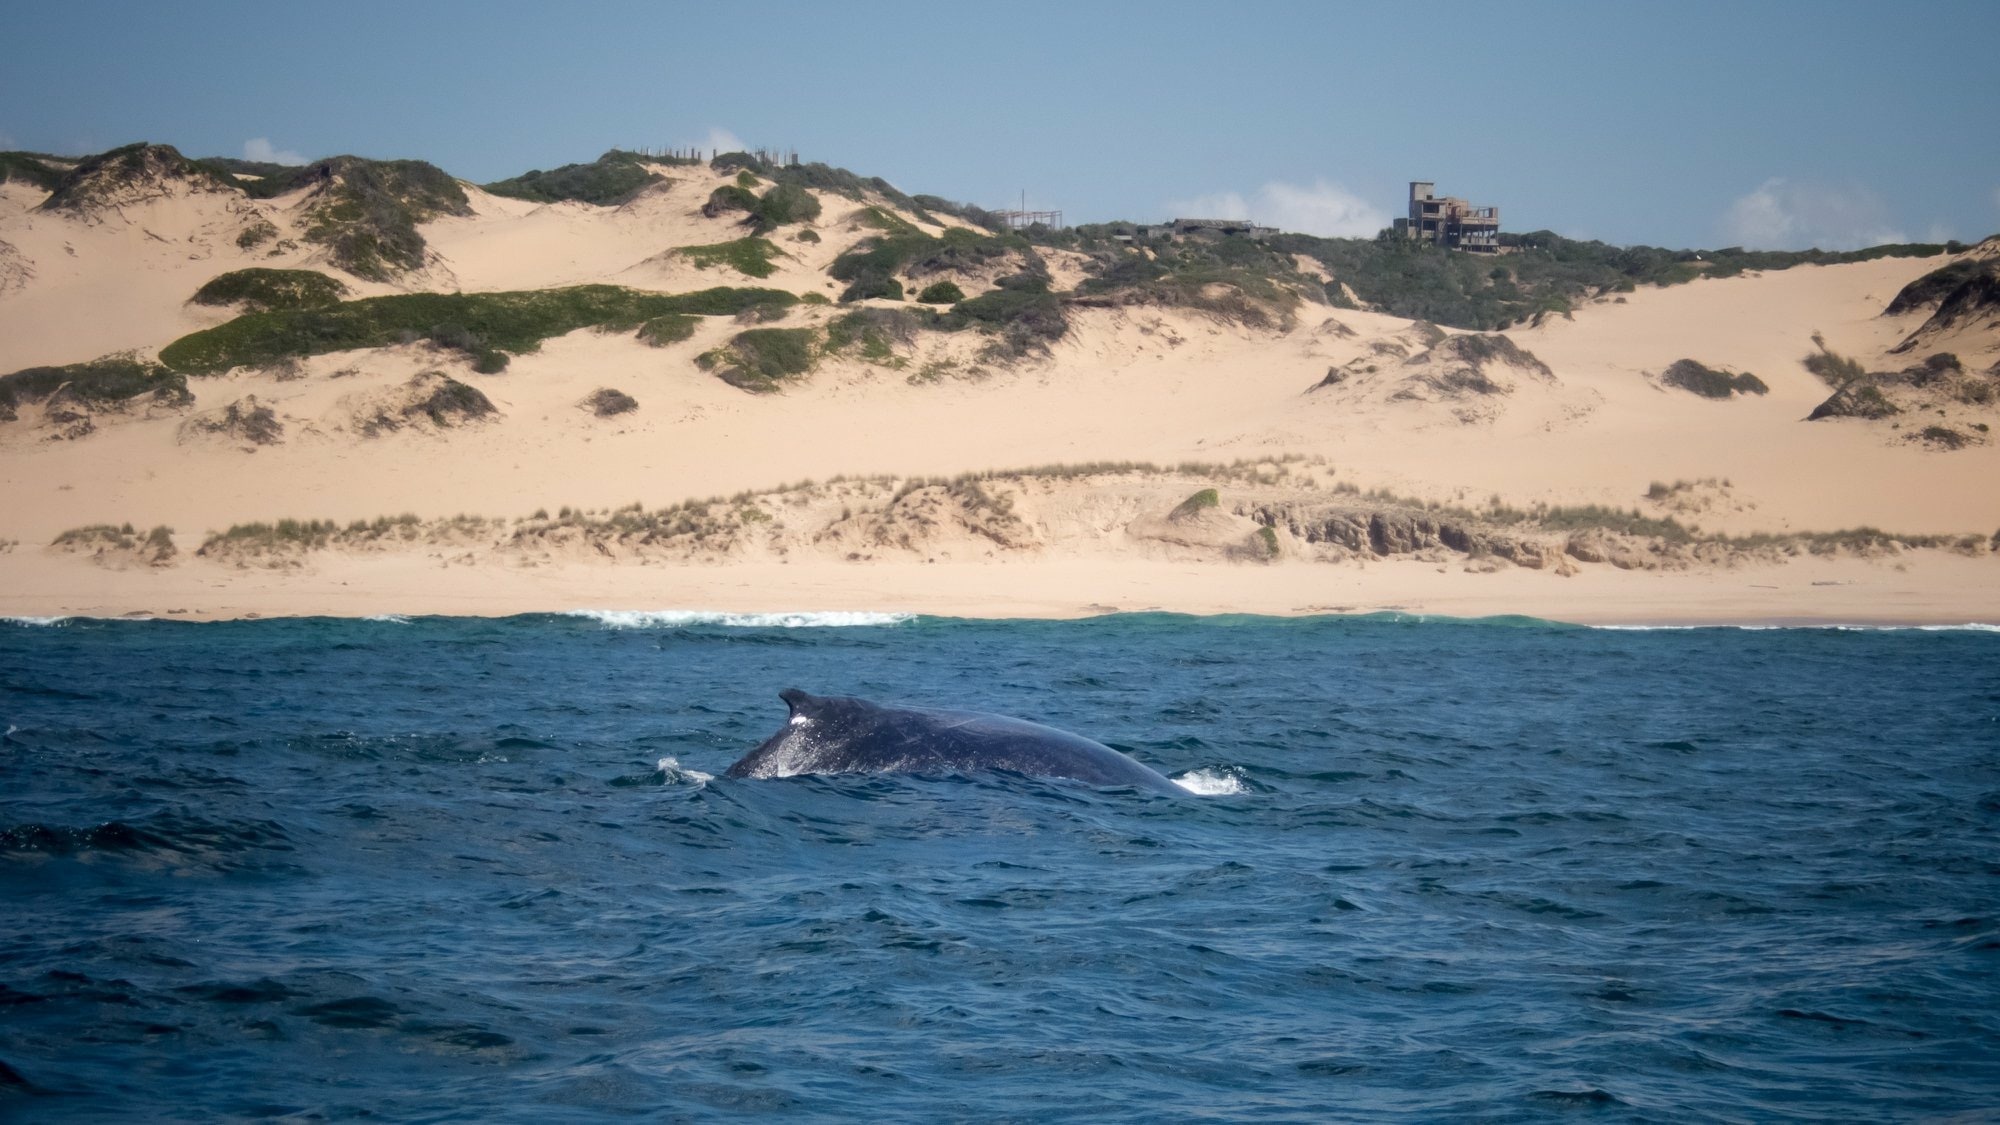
1566,448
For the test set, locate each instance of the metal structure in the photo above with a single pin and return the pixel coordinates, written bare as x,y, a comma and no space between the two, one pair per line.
1449,221
1020,220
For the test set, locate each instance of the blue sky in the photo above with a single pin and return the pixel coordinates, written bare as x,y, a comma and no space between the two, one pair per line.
1688,124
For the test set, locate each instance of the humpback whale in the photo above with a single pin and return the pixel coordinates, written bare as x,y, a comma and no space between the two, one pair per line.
840,734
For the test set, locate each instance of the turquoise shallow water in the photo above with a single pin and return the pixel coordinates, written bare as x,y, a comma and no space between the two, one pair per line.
458,869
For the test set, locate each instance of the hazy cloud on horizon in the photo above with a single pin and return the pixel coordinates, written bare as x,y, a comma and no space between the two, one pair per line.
1325,208
1785,215
719,141
260,150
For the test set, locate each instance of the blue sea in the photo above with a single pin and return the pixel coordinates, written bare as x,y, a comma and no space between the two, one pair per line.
448,869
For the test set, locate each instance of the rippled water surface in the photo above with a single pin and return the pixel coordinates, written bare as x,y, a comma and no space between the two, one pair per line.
450,869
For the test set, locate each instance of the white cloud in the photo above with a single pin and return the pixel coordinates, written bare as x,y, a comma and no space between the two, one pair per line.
719,141
1325,209
1783,215
260,150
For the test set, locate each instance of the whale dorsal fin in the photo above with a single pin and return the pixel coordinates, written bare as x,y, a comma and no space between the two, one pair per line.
800,702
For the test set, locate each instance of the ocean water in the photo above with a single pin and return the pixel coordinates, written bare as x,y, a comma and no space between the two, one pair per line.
443,869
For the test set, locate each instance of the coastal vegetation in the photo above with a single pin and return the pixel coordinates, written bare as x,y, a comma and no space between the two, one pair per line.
1542,273
505,322
941,293
367,211
608,402
1689,375
669,328
871,267
856,517
98,382
761,360
33,168
95,181
611,179
258,289
750,256
108,542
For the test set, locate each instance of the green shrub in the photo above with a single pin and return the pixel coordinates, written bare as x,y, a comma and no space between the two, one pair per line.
613,178
513,322
728,198
259,289
751,256
607,402
1194,505
105,381
1835,370
367,212
874,333
257,233
873,286
1710,383
941,293
95,179
1936,285
1026,320
761,359
1548,273
783,205
671,328
33,168
808,235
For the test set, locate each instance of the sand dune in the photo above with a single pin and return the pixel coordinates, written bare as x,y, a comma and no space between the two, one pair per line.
1573,413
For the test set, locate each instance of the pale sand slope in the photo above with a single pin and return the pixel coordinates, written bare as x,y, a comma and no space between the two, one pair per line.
1135,384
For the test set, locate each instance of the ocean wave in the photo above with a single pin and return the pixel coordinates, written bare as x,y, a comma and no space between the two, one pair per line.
38,622
1211,782
388,618
1831,627
673,773
683,618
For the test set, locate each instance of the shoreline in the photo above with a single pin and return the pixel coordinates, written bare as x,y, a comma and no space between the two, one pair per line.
1919,589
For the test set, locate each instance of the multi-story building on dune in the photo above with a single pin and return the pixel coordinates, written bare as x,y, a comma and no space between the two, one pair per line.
1449,221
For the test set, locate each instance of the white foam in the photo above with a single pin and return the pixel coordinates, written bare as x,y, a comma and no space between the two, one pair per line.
671,768
1968,627
682,618
37,622
388,618
1211,783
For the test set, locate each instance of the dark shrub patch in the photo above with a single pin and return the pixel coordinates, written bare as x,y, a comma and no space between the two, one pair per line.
606,402
367,211
1710,383
751,256
670,328
1935,286
260,289
783,205
761,359
941,293
610,179
1858,399
514,322
112,379
729,198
